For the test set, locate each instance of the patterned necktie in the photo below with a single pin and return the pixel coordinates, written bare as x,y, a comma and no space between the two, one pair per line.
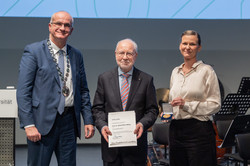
124,90
61,65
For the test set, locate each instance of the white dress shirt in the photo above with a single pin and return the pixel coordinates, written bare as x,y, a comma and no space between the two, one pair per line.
69,100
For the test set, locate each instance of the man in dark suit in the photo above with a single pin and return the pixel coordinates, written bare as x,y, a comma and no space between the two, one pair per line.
141,99
52,94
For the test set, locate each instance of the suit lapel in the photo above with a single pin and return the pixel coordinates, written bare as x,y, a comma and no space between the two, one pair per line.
136,81
114,82
51,63
73,66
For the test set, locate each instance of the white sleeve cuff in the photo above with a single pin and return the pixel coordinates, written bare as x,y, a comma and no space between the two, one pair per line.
32,125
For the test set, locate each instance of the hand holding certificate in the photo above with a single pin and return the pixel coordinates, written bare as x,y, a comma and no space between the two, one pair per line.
122,125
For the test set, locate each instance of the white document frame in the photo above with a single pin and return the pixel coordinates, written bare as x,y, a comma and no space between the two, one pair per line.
122,125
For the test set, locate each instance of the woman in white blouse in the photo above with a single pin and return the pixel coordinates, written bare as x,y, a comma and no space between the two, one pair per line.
195,96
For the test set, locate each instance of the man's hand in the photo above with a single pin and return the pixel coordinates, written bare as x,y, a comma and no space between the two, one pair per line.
89,131
138,130
33,134
106,132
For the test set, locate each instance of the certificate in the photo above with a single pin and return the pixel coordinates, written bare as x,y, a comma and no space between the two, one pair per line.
122,125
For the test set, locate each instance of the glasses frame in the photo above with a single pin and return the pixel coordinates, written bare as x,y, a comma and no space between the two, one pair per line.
123,53
60,24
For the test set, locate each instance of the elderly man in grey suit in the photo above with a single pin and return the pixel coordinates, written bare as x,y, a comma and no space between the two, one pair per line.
109,97
52,95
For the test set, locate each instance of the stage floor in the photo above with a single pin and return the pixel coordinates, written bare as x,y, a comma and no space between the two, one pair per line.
87,155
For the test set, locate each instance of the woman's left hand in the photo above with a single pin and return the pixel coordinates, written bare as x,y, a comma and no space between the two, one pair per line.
178,102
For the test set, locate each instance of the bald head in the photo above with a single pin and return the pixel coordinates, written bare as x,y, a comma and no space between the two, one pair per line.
59,13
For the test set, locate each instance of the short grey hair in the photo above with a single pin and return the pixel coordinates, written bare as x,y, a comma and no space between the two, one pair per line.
132,41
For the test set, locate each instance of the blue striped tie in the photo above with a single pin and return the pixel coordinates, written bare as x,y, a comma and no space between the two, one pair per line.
124,90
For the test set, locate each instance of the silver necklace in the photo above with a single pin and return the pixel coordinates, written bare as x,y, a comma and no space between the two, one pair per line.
65,89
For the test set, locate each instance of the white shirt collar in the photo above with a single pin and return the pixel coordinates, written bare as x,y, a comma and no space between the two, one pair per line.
120,72
193,66
56,49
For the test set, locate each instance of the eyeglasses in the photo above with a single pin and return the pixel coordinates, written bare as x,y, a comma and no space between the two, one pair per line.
122,53
59,24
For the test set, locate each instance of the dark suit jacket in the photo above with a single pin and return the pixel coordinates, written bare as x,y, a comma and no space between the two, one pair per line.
38,91
142,99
